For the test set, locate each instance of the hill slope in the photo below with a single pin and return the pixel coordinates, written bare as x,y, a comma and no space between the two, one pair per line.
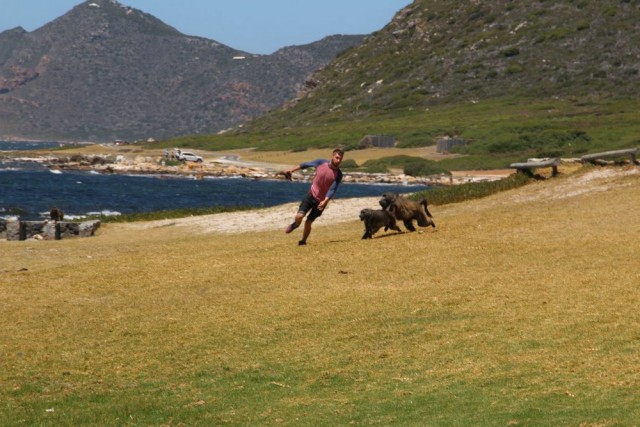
106,71
512,79
436,52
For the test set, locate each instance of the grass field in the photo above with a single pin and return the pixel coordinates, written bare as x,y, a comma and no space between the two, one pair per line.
520,309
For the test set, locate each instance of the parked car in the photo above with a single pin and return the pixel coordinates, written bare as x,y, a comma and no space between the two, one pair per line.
189,157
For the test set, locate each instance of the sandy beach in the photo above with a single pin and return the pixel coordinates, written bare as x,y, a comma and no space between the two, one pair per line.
273,218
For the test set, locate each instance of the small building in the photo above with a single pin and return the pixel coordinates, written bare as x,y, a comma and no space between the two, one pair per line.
446,143
378,141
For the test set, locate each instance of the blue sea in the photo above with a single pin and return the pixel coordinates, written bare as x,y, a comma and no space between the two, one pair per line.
29,190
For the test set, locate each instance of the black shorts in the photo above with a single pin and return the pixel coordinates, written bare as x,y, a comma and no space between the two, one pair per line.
310,204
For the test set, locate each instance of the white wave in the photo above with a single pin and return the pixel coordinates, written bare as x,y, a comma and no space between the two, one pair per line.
105,213
71,217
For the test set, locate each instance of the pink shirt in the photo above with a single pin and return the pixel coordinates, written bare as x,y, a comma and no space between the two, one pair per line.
326,181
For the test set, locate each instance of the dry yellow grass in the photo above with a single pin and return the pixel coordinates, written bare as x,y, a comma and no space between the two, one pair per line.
516,308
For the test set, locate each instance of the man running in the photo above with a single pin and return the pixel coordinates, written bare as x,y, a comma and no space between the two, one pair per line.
323,188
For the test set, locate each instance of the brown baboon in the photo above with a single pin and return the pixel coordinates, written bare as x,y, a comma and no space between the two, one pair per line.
406,210
286,174
374,220
56,214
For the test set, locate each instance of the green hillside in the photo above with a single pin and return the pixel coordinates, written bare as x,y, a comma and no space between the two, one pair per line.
513,79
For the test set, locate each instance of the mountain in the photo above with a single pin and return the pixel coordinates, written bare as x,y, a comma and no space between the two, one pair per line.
106,71
437,52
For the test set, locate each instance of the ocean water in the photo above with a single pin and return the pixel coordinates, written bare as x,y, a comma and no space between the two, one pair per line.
28,145
29,190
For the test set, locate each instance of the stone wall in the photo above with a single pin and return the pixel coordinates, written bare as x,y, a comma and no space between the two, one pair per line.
14,229
380,141
445,144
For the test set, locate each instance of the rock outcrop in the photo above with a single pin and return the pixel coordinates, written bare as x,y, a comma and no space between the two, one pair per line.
14,229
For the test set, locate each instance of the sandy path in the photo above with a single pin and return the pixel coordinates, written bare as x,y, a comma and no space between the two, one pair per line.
273,218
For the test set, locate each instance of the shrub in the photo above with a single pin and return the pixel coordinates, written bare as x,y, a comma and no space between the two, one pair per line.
349,164
351,147
510,51
375,166
472,190
492,74
514,69
583,26
558,34
422,167
414,166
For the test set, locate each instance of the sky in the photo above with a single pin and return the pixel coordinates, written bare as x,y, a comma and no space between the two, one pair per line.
254,26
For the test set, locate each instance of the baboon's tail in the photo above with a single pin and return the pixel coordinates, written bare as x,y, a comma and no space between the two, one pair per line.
424,203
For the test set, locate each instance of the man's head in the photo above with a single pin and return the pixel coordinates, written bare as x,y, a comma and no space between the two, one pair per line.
336,157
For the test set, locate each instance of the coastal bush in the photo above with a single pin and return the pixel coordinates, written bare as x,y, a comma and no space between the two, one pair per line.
349,164
514,69
415,166
510,51
375,166
473,190
351,147
422,167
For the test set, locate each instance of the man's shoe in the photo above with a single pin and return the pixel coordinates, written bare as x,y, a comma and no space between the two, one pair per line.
302,243
291,227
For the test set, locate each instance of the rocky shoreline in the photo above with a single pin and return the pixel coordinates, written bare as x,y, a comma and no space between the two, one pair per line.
231,168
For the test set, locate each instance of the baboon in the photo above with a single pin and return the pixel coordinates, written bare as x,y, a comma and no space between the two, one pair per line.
56,214
406,210
287,175
374,220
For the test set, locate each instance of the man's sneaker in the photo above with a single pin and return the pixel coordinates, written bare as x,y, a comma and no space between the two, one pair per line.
302,243
291,227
